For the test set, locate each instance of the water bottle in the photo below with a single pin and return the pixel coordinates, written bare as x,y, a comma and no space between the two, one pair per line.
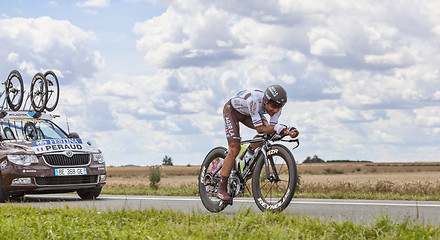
240,161
247,157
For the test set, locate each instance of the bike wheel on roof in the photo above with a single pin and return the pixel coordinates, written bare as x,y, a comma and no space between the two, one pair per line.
14,90
53,90
38,92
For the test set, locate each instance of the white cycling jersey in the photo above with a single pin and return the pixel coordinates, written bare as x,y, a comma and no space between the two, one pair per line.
249,103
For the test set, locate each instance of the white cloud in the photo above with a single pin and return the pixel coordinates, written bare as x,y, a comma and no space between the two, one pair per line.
287,79
287,6
37,44
325,43
12,57
192,39
428,117
395,59
94,3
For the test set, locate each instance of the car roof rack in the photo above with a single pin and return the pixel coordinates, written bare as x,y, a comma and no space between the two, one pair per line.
7,115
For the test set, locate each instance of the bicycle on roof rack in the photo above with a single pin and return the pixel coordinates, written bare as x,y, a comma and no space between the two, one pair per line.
272,170
13,91
43,95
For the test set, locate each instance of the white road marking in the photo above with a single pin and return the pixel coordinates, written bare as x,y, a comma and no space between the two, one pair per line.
294,201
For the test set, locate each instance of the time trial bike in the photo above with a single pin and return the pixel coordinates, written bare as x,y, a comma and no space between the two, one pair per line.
272,170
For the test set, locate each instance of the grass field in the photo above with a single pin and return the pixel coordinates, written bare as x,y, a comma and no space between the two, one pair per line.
357,180
80,223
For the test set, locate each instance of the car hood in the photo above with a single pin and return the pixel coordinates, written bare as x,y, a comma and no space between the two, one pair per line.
48,146
16,147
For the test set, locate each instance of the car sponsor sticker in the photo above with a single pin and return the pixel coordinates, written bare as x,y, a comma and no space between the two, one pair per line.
64,144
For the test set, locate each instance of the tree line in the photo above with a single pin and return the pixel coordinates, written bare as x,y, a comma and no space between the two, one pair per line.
316,159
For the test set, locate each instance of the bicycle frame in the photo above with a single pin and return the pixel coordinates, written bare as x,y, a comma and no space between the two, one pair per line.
263,149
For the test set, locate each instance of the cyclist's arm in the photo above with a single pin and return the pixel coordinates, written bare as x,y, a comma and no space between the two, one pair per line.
271,129
265,129
274,118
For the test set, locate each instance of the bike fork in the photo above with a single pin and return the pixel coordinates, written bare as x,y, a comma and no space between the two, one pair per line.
269,164
266,162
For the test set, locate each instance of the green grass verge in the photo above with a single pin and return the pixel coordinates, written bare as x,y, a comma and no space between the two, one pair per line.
370,195
79,223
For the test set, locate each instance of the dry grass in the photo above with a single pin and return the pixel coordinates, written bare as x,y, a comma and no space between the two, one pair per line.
127,172
175,182
398,178
403,183
356,167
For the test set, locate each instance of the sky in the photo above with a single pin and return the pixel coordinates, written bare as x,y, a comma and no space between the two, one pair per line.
149,78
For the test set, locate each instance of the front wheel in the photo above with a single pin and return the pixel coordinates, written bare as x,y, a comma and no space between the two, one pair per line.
14,90
3,195
38,92
273,186
209,179
53,90
92,193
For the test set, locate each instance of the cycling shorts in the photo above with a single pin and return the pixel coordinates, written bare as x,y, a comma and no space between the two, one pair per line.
232,117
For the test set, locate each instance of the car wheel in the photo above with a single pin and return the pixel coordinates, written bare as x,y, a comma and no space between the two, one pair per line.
18,195
89,193
3,195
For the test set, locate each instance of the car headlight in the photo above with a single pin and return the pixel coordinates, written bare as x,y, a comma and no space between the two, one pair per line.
24,160
98,157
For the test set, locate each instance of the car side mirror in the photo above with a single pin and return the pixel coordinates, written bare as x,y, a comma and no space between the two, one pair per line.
73,135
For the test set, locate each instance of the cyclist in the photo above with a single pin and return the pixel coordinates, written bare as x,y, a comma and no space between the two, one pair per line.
248,108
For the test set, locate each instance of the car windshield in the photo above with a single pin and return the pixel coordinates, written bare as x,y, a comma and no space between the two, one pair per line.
30,130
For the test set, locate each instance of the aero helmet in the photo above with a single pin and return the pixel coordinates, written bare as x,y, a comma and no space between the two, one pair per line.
275,93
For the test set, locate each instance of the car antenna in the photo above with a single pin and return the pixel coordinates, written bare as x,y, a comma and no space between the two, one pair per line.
67,122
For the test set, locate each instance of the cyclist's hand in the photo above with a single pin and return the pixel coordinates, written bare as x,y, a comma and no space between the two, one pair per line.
284,130
281,129
293,132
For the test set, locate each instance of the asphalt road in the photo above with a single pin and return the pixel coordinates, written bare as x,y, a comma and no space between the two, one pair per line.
360,211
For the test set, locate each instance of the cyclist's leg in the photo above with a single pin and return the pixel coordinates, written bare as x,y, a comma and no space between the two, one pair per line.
232,131
228,163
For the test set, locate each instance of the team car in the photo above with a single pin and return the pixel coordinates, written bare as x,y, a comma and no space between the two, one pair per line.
37,156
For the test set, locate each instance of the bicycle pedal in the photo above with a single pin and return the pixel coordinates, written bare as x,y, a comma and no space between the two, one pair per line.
227,202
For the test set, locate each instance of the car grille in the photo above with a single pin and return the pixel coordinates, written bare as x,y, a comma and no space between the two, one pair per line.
66,180
63,160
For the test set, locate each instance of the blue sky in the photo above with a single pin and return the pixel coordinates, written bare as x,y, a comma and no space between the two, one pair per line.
149,78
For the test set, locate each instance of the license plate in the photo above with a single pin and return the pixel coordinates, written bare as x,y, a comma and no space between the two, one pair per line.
70,171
